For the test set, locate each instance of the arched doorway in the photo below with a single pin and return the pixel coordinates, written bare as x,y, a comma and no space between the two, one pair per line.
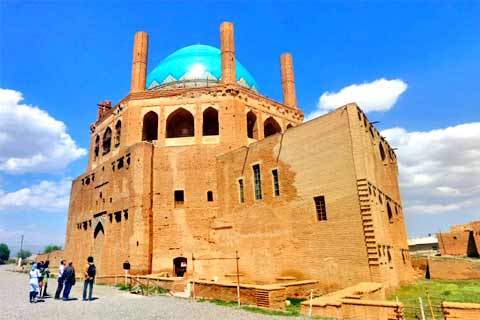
98,239
270,127
210,122
107,140
150,127
180,266
180,124
252,131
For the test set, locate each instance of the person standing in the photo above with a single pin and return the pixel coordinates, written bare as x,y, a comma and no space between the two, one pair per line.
89,275
61,279
34,287
40,279
46,275
69,274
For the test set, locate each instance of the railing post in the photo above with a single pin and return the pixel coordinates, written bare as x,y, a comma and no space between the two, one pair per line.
238,277
193,276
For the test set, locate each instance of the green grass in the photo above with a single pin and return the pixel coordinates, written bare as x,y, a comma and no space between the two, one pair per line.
123,287
440,290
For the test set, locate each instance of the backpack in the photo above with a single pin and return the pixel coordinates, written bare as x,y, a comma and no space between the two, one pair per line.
92,270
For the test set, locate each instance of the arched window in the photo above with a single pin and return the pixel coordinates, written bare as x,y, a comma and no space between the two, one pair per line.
97,146
150,126
107,140
252,131
210,122
289,126
98,229
118,133
180,124
270,127
382,152
389,211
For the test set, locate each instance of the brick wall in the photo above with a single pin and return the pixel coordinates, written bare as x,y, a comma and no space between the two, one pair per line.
455,242
461,311
123,207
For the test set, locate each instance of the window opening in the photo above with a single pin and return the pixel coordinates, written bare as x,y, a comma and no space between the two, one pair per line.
240,188
107,140
320,208
252,131
271,127
179,197
118,133
150,127
258,182
210,122
210,196
276,186
180,124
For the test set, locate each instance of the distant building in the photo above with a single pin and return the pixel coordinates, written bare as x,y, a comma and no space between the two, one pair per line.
423,245
461,240
196,163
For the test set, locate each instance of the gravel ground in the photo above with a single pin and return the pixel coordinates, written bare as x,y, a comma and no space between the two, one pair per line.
111,303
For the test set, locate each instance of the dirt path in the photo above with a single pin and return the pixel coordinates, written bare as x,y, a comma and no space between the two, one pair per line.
110,304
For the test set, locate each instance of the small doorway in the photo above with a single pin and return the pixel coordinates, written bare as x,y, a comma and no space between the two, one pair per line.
180,266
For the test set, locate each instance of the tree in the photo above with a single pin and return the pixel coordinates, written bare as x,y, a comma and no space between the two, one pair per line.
51,247
24,254
4,253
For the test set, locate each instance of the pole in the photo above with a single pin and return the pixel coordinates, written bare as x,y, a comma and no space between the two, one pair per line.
430,304
193,276
421,308
21,245
311,301
238,277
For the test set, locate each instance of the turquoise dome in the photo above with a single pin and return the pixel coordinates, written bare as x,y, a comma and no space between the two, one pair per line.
194,66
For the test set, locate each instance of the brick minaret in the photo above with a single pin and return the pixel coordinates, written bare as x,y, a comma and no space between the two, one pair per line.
227,46
288,82
139,65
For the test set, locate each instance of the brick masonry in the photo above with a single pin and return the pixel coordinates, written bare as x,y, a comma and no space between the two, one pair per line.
123,208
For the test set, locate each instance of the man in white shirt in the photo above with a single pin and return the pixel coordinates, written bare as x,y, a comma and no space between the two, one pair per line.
61,279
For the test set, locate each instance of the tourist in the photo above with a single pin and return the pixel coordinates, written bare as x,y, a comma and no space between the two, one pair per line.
34,287
89,274
69,275
40,279
46,275
61,279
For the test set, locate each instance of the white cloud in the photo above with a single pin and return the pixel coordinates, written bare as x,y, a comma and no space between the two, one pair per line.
30,139
379,95
50,196
439,169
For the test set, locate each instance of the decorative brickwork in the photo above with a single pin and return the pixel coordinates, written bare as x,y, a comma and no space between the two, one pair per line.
127,206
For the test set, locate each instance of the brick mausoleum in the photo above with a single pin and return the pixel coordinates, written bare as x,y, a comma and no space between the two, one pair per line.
461,240
194,160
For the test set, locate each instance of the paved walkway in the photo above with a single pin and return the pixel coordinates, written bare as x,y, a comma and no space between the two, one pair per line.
111,303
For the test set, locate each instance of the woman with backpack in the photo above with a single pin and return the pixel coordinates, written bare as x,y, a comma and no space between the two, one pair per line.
89,274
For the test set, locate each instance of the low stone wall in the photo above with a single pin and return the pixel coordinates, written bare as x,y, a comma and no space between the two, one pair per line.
445,268
362,301
171,284
356,309
301,289
267,296
54,257
461,311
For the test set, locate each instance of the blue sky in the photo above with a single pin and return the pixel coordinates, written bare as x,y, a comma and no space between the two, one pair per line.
65,58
